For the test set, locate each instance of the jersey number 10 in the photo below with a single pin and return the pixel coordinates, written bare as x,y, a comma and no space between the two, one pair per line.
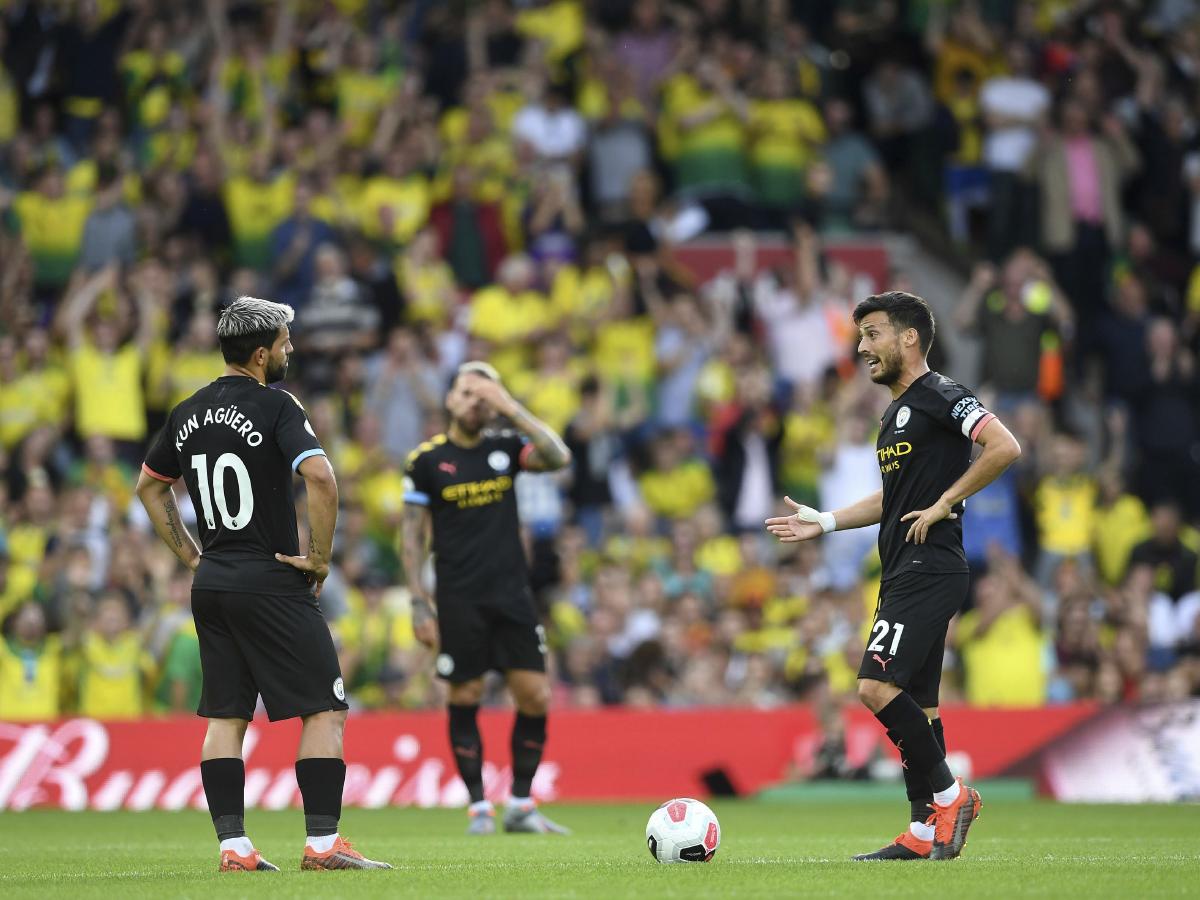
245,492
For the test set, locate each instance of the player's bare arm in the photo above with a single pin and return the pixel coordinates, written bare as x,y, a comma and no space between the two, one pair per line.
807,523
1000,450
159,501
549,453
415,527
322,492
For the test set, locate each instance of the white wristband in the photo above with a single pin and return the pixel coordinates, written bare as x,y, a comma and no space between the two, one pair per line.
824,519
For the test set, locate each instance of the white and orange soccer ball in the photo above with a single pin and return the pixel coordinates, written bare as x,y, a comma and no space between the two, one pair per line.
683,830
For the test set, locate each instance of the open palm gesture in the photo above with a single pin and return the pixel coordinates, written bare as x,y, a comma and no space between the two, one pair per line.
802,525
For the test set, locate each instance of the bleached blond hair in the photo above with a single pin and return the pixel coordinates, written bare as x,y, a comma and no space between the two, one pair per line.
479,367
252,315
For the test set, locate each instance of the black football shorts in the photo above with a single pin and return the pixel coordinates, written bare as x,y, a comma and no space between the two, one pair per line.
908,637
496,630
275,645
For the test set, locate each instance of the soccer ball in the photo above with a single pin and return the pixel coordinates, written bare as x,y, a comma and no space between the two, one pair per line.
683,830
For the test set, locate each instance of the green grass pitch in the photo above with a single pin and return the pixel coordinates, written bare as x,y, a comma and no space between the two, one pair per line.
1017,848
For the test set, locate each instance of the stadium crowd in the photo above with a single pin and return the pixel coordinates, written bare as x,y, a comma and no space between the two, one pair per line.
429,182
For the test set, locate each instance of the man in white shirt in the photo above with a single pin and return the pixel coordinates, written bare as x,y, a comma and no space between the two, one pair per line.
550,128
1013,107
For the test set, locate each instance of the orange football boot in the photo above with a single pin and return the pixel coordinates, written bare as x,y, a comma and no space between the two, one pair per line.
906,847
950,823
340,856
232,861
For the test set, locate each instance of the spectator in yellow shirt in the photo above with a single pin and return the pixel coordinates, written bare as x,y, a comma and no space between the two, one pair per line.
108,370
372,635
101,472
362,91
678,482
17,582
785,133
30,669
1001,641
707,116
18,399
51,225
1121,523
510,315
44,371
257,202
427,283
1064,504
395,203
192,363
112,667
551,391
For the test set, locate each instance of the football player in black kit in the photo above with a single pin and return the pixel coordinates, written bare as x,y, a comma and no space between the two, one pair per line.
460,486
924,452
236,443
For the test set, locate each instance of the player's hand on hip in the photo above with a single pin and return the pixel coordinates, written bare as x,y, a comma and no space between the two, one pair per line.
316,570
424,623
803,525
427,634
923,519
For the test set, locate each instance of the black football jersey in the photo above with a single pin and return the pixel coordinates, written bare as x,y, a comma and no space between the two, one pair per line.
236,444
924,446
470,495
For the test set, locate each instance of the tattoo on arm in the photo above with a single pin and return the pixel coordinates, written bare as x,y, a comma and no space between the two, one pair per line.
413,553
169,526
172,522
550,447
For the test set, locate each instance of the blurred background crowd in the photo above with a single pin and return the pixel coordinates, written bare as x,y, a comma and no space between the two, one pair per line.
428,182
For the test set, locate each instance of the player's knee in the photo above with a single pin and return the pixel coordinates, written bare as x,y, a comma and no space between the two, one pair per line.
875,695
534,700
332,721
223,738
468,693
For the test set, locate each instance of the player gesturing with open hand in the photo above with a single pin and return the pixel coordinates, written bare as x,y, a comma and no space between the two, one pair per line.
926,438
802,525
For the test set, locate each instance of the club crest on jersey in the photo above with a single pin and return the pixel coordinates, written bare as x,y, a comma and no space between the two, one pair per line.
448,467
902,416
339,689
498,460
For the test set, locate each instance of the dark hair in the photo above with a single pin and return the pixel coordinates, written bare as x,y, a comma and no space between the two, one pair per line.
249,323
904,311
239,348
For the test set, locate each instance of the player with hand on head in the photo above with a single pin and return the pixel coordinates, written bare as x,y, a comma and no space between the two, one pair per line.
924,453
459,491
236,443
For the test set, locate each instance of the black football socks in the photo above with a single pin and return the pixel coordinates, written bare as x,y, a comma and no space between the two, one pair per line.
916,784
321,781
909,729
224,788
468,748
528,739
